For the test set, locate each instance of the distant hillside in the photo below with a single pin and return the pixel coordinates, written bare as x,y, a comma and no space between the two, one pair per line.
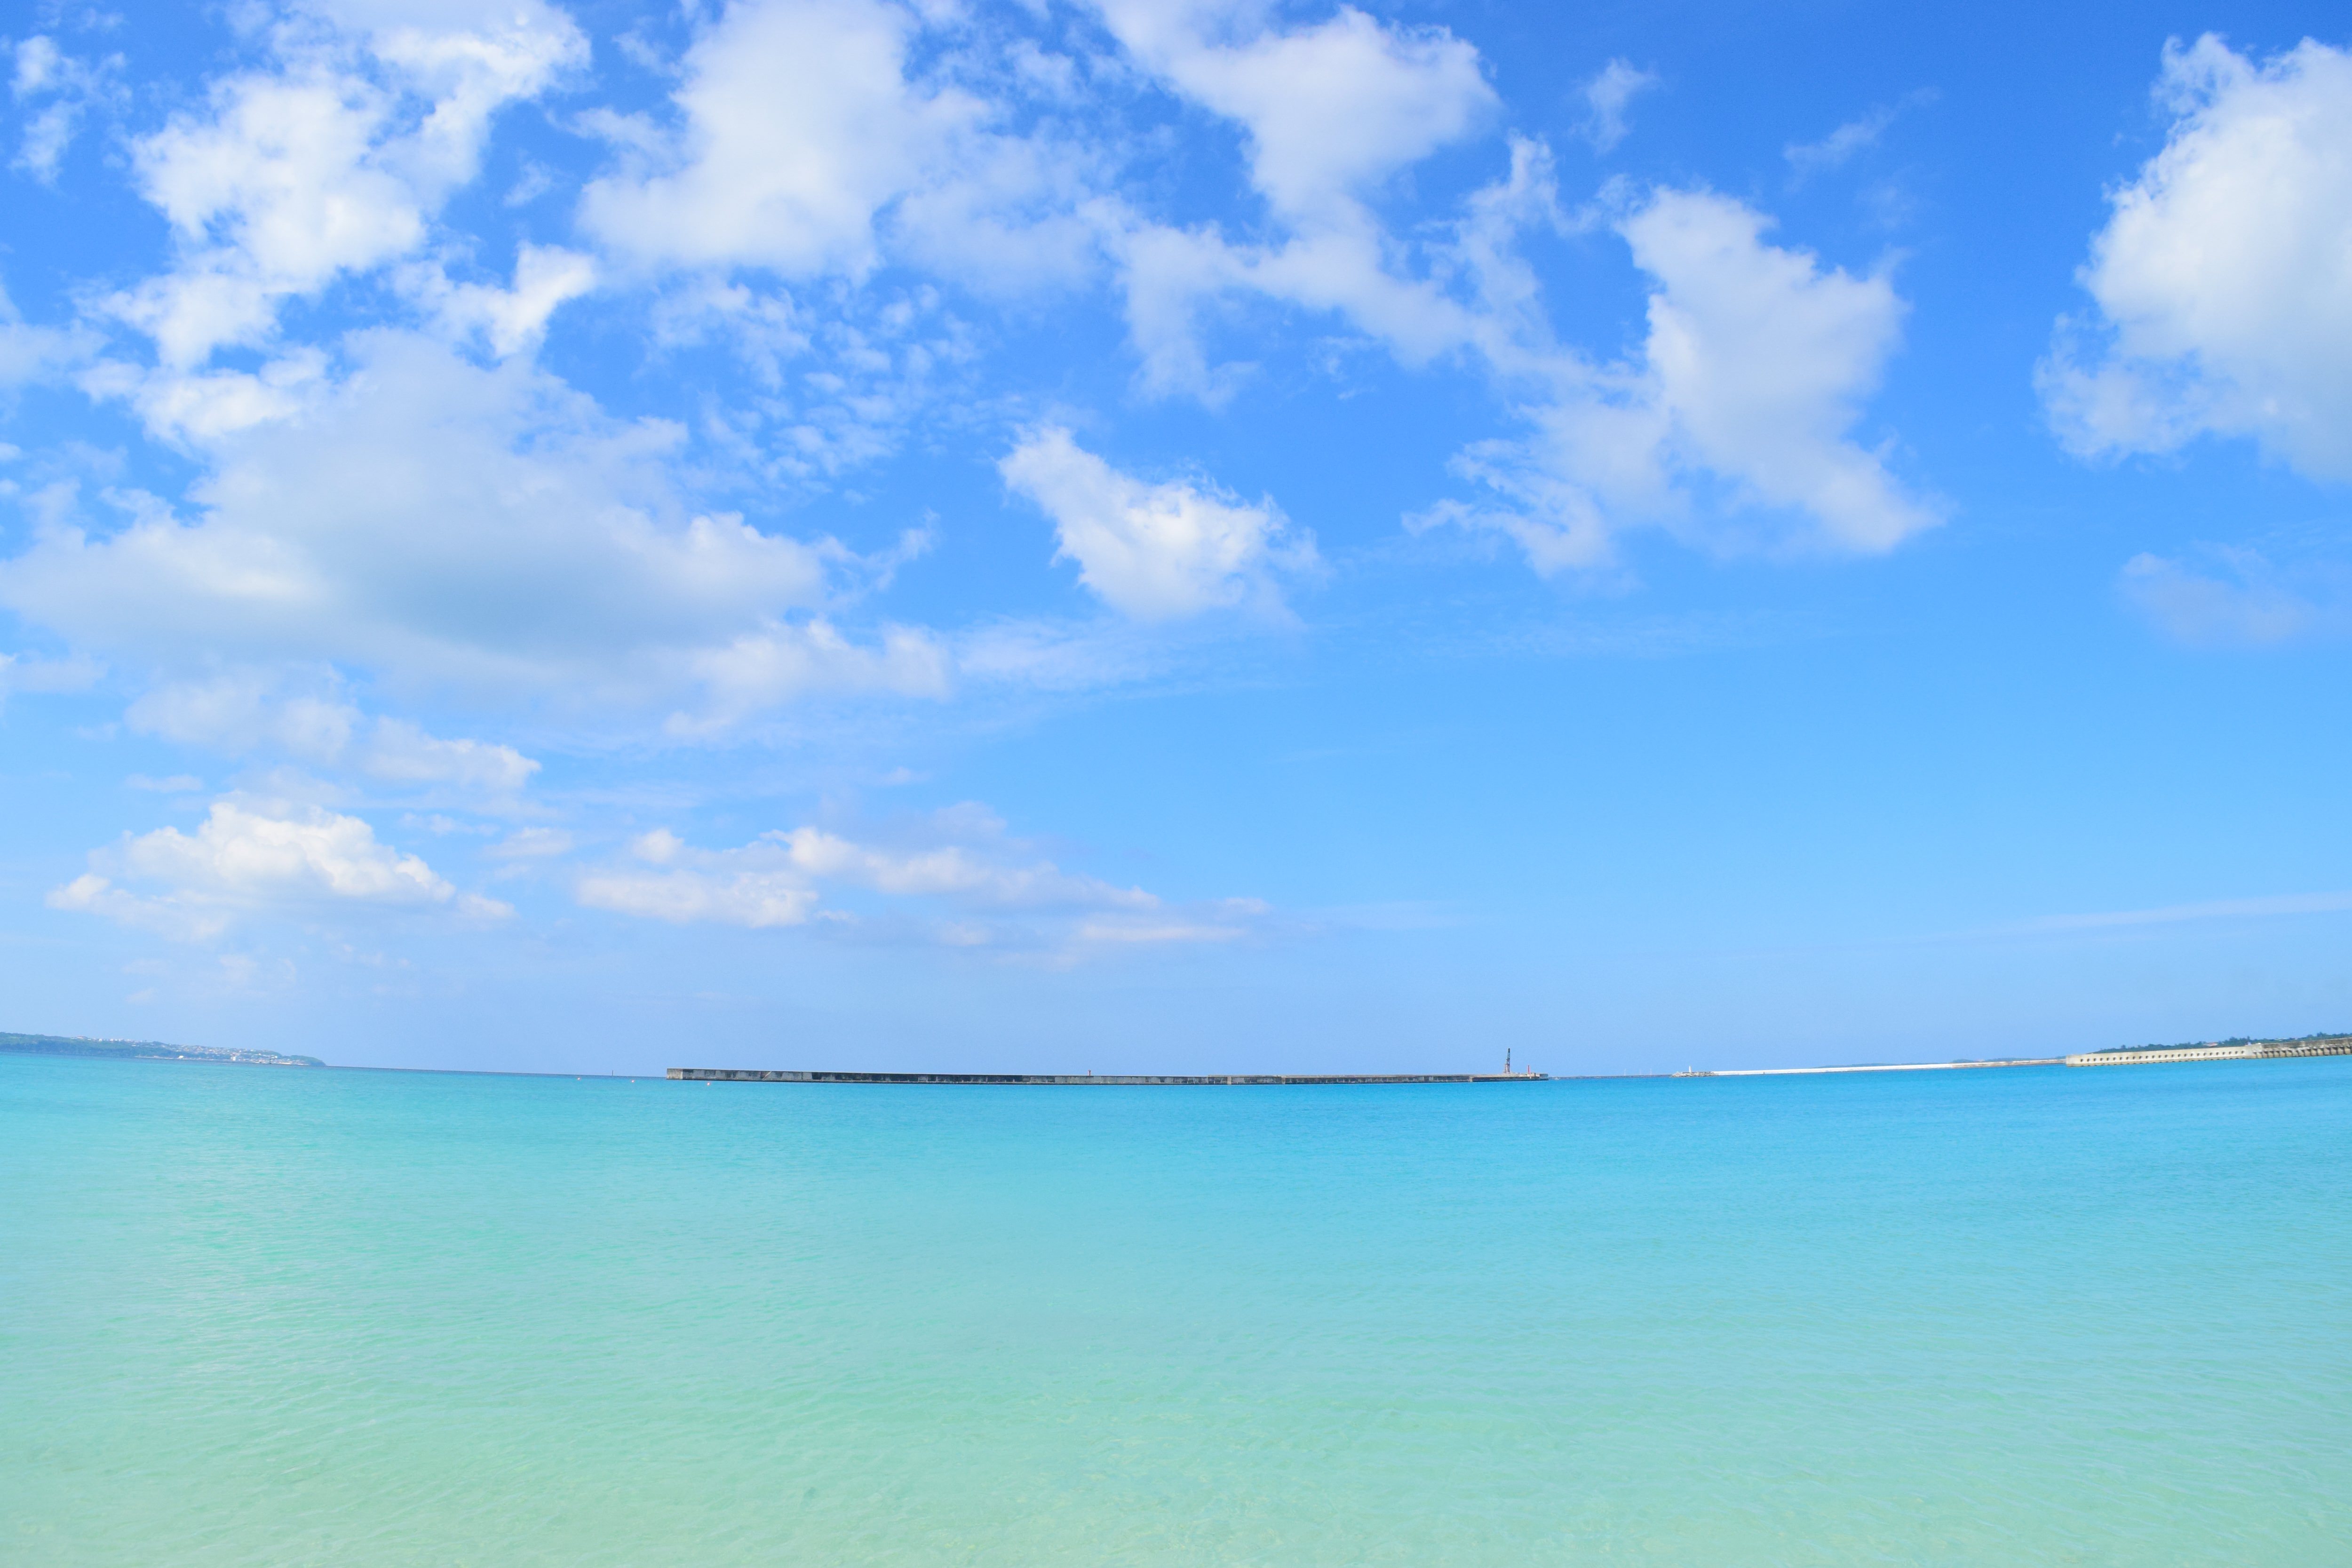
143,1050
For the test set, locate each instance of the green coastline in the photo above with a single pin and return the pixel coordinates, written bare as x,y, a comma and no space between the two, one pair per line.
144,1050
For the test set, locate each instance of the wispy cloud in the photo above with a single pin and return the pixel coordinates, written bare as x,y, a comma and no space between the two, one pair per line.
2214,909
997,892
1607,97
2234,597
1841,144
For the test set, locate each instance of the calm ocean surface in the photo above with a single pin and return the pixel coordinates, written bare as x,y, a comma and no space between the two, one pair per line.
2037,1316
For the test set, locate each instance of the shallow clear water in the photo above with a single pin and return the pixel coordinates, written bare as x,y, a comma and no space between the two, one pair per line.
265,1316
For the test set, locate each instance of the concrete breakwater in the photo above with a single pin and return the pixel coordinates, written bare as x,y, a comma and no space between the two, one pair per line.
2252,1051
1097,1080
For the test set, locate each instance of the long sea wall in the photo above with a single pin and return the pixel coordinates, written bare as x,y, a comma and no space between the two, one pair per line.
1092,1080
2259,1049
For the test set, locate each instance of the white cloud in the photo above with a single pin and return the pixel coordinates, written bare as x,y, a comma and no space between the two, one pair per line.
1168,273
1331,112
1839,145
980,888
177,784
511,319
33,674
1607,97
1745,396
800,123
1065,655
30,354
2238,599
437,521
1229,920
56,89
180,918
400,752
324,165
1155,551
953,870
1761,360
384,506
756,886
251,856
778,663
237,714
2224,298
196,408
2218,908
531,844
803,136
1751,380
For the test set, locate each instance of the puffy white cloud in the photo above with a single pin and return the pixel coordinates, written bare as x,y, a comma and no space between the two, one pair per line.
800,123
382,505
433,521
1761,360
250,856
238,851
325,165
1758,360
802,133
197,407
1607,97
511,319
1752,378
1155,551
2223,293
1330,112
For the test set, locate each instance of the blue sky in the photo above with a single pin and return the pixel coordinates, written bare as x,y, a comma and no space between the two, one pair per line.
1172,533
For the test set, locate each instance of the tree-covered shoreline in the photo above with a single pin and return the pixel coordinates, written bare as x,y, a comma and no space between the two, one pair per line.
2232,1040
143,1050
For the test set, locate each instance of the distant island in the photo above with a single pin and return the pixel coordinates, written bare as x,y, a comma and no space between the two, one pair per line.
143,1050
2325,1036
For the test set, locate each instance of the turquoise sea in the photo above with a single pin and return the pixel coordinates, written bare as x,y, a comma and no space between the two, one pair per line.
260,1316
